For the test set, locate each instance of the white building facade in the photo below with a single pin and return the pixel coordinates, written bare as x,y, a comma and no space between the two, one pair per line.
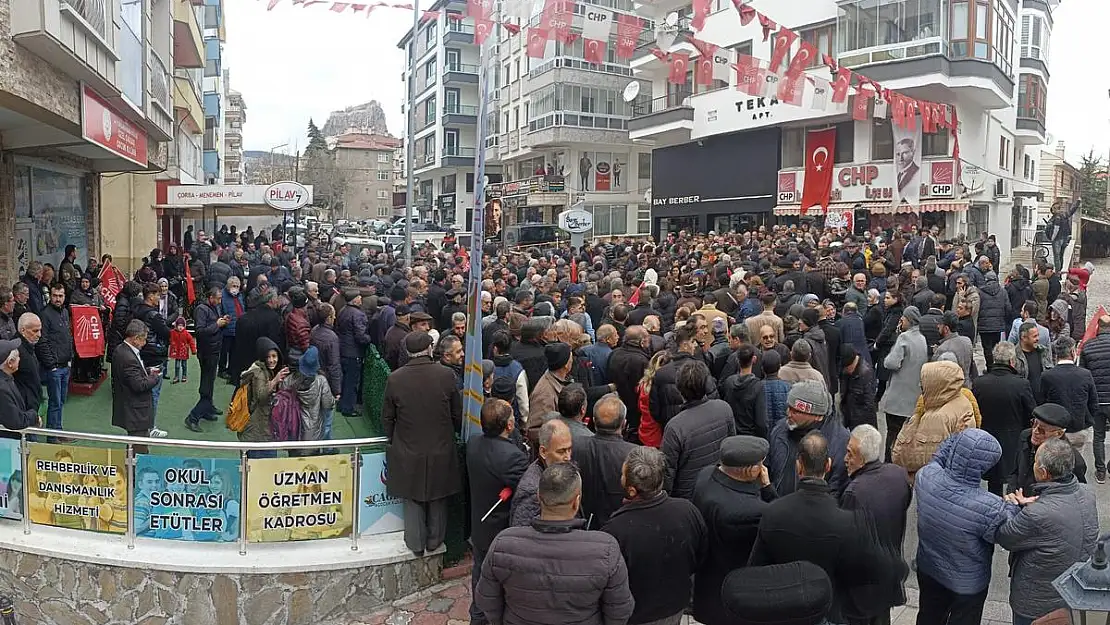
973,56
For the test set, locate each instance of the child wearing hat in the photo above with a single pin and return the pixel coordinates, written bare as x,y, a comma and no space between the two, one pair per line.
182,345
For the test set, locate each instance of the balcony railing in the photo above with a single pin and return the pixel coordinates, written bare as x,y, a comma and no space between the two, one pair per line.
458,151
866,34
94,12
1025,111
660,104
460,109
462,68
160,83
456,26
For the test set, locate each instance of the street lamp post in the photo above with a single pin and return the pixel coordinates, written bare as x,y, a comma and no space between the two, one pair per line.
1085,588
272,178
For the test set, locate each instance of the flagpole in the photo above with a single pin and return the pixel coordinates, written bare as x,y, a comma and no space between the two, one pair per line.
473,389
410,134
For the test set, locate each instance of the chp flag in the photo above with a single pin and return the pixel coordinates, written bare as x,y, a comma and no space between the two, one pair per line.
88,331
597,23
628,34
111,283
820,148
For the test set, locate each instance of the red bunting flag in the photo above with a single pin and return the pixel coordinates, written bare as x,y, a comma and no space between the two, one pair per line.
659,54
805,55
701,10
842,81
190,290
910,118
791,89
831,62
111,283
482,29
513,29
537,42
479,9
768,25
928,124
557,18
703,72
750,75
784,38
747,13
954,125
680,63
897,110
859,105
628,32
454,17
595,35
339,7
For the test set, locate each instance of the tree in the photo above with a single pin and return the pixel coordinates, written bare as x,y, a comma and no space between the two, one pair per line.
1092,185
329,181
316,141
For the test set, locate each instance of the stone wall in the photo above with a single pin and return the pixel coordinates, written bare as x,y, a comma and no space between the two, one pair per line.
51,591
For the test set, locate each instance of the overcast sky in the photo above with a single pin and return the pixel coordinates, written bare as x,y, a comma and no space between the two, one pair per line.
294,63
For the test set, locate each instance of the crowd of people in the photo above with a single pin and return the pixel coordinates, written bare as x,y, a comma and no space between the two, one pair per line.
688,424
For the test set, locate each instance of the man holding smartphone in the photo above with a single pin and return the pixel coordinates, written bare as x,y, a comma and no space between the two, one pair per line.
210,324
133,384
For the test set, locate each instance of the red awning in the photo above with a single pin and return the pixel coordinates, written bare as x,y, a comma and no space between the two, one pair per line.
880,208
795,209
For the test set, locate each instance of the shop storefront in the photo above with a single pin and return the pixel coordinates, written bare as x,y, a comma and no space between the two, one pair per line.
867,191
719,183
51,212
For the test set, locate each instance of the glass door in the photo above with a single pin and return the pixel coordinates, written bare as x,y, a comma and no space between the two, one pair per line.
454,59
450,143
451,101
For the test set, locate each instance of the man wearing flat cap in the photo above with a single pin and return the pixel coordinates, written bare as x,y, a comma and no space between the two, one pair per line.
808,405
1049,421
421,412
731,498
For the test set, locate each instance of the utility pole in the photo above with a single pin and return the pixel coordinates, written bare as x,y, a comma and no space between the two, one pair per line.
410,135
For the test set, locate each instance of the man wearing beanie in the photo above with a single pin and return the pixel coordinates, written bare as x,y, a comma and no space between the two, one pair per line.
904,361
808,524
421,411
731,497
297,327
808,405
544,398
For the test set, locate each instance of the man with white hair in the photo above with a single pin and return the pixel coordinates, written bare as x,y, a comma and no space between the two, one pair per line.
880,488
14,413
28,377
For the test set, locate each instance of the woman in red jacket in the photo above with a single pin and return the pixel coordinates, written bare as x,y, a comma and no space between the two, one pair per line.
651,434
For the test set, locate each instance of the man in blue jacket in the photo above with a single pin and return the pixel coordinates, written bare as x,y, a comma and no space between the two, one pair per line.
956,525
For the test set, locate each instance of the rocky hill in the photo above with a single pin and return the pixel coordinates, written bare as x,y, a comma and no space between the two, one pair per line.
368,118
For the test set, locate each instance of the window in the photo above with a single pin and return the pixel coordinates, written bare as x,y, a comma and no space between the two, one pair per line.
516,118
383,175
793,144
516,69
430,72
822,38
508,75
609,219
644,165
383,210
984,30
383,194
430,33
470,183
882,142
915,22
1003,153
643,218
212,67
1031,97
429,111
447,184
383,157
430,147
211,16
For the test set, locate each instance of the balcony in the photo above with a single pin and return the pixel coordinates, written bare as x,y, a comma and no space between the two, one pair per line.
188,44
931,48
665,120
188,110
463,73
458,32
456,156
460,114
1030,128
79,39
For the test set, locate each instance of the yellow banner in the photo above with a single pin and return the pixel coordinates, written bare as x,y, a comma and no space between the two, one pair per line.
299,498
82,488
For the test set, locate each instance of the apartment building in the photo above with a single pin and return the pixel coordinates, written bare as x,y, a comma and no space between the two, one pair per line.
234,119
84,90
1059,181
215,91
726,160
366,163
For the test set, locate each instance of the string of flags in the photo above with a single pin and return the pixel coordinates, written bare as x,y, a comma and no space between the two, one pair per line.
782,76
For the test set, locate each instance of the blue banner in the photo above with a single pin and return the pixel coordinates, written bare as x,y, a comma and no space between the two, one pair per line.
378,512
187,498
11,480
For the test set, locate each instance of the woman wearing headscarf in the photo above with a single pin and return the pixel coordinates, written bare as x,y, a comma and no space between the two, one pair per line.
262,379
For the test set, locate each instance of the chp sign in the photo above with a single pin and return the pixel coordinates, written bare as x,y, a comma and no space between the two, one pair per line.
287,196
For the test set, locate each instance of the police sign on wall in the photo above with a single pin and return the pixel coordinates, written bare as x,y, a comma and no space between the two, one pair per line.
287,196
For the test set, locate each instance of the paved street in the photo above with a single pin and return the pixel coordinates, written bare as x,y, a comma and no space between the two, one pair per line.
447,604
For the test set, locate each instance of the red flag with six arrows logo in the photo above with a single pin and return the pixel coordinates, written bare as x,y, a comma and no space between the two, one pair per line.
820,148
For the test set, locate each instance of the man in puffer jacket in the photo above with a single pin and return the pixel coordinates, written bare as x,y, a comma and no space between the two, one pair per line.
1095,358
947,411
956,524
994,314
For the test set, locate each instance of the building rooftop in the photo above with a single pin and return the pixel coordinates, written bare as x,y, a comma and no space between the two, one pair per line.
364,141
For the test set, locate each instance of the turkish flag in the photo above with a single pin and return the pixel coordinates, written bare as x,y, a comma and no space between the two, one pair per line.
768,25
680,63
594,51
628,32
702,9
703,72
511,27
806,54
479,9
840,85
482,29
537,42
88,331
747,13
783,40
820,148
928,122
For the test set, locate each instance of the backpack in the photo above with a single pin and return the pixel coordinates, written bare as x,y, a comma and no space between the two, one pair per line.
285,418
238,412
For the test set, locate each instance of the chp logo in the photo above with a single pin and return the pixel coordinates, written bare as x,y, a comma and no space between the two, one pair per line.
788,188
106,124
88,328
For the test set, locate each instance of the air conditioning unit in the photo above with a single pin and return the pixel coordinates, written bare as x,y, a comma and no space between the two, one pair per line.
1000,188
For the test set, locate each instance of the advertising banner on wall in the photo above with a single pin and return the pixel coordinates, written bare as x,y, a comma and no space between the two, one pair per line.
187,498
82,488
299,498
872,182
379,513
11,480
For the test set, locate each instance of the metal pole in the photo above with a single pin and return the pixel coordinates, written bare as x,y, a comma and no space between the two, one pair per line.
23,452
130,497
410,121
243,502
356,470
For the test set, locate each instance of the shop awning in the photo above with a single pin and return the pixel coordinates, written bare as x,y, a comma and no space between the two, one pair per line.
880,208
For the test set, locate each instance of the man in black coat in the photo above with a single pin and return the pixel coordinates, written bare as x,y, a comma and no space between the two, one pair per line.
600,458
28,378
529,351
1049,421
15,414
930,323
732,498
55,352
1005,404
665,400
133,383
493,464
663,539
809,525
744,393
1070,386
156,348
1096,359
858,389
261,320
210,324
626,366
